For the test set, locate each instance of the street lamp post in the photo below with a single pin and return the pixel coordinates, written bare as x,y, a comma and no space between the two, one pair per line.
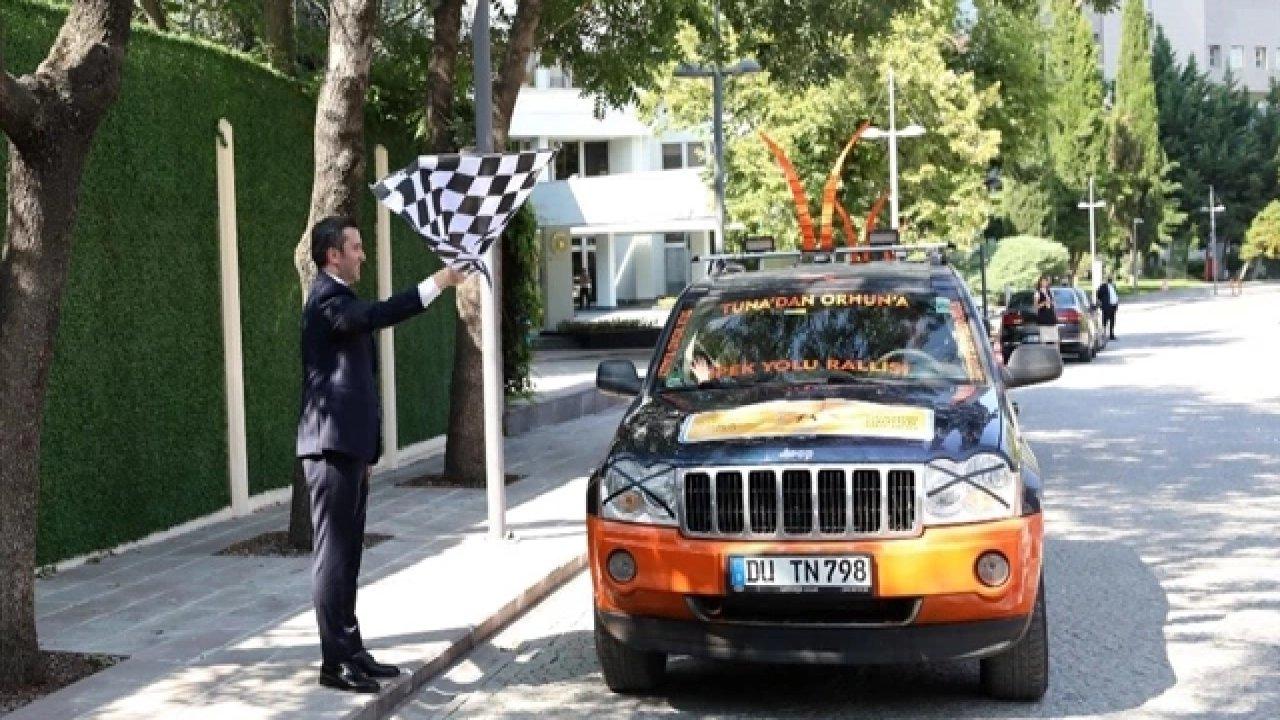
494,460
893,133
1133,266
717,73
1094,270
1213,208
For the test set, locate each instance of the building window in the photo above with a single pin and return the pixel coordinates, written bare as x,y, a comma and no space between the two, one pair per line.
567,160
595,158
672,156
683,155
1236,60
1260,58
697,154
1215,56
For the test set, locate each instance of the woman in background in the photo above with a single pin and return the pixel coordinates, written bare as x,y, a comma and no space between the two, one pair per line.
1046,313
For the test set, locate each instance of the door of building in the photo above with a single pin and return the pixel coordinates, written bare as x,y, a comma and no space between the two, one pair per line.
584,272
676,247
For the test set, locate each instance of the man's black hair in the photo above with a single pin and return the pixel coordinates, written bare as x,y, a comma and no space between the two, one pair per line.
328,234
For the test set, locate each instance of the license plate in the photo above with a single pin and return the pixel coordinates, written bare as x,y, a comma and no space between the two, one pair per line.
802,573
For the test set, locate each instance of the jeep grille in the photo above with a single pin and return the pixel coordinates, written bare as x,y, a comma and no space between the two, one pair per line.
800,502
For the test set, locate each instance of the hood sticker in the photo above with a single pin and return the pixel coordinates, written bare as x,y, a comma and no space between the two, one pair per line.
790,418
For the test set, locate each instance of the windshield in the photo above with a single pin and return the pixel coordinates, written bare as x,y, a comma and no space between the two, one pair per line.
1063,297
839,336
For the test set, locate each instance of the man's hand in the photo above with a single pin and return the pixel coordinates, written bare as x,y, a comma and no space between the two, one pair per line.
448,277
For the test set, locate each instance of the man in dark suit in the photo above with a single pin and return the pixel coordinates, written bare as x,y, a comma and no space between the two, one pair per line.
1109,300
339,435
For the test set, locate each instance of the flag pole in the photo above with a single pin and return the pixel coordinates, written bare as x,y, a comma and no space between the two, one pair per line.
494,462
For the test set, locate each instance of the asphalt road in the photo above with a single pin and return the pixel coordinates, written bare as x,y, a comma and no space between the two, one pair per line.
1163,559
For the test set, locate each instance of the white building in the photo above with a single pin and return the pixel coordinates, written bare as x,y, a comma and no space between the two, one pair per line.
1242,36
622,204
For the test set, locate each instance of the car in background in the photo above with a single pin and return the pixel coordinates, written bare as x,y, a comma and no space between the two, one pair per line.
1079,323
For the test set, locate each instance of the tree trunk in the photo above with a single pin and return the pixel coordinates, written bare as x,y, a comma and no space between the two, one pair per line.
50,120
464,457
339,177
441,73
154,10
524,31
279,36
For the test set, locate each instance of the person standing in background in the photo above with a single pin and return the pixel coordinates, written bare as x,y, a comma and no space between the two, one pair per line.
1046,313
1109,300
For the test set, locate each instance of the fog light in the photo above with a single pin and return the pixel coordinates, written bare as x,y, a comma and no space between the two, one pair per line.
622,566
993,568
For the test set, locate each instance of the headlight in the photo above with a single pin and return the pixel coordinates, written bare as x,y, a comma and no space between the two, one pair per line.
633,491
983,487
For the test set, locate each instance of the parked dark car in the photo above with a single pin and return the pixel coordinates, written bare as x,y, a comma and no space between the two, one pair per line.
1079,323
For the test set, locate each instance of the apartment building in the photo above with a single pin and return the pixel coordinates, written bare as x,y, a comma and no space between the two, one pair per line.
1239,36
624,208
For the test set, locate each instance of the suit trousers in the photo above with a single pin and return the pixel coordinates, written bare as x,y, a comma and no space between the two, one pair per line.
339,489
1109,319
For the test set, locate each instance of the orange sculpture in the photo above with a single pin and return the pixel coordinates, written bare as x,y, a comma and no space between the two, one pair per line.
825,241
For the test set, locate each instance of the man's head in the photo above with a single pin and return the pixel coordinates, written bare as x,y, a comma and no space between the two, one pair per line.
337,249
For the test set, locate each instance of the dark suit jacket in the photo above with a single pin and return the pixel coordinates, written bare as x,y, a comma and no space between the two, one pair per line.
341,409
1107,300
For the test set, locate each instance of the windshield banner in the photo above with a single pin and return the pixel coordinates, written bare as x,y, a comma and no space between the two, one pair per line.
791,418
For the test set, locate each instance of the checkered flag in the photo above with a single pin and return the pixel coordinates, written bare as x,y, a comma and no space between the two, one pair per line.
460,204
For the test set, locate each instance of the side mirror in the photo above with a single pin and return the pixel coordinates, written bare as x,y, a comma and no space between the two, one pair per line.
1031,364
618,377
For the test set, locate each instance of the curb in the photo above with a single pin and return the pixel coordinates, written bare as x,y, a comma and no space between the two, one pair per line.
524,417
395,694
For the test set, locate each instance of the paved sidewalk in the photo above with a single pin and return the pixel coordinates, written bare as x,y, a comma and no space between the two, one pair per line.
233,637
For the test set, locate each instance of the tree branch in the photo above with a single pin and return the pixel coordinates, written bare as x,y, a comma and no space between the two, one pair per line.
90,48
17,107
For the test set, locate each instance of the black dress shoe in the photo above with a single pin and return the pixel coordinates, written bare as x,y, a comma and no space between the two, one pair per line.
348,676
373,668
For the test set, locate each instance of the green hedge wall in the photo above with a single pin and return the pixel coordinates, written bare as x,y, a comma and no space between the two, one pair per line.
134,430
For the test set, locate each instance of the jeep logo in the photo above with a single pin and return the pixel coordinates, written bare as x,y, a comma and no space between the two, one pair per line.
801,455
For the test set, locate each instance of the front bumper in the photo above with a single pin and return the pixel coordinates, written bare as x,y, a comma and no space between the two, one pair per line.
954,615
814,644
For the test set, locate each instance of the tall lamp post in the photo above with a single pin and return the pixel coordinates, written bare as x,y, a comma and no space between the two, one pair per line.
494,460
1094,270
893,133
717,73
1133,269
1213,208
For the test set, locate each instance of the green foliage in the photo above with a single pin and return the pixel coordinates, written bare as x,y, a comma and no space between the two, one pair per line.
1027,205
1006,50
1263,238
616,48
1019,260
941,173
807,43
521,299
1076,137
134,428
1215,134
1138,168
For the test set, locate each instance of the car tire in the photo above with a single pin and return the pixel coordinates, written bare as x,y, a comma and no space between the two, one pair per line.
625,669
1086,353
1021,673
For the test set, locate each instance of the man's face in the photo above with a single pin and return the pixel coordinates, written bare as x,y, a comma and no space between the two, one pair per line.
345,263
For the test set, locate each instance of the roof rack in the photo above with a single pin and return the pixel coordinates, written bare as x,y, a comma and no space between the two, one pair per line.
726,263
